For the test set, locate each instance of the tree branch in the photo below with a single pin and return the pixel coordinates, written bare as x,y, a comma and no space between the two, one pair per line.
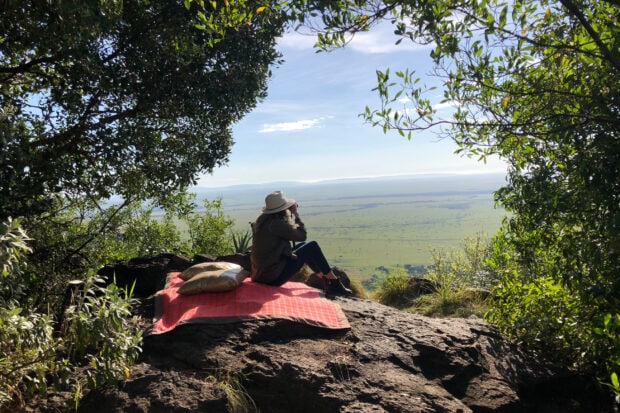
573,9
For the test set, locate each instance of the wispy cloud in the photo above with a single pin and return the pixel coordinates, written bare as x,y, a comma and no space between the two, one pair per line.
295,40
380,39
289,126
445,105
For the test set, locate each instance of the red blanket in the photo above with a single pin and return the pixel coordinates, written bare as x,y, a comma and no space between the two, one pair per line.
292,301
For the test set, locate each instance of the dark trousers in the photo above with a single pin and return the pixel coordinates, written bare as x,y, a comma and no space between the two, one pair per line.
307,253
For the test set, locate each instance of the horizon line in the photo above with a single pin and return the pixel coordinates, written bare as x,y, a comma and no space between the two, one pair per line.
354,178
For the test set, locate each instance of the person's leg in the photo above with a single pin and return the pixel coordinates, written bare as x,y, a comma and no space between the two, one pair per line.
311,254
290,268
306,253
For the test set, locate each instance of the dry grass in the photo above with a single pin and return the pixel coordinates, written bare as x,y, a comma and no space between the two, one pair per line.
239,401
462,303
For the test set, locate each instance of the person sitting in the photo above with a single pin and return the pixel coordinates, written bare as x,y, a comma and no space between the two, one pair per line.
274,258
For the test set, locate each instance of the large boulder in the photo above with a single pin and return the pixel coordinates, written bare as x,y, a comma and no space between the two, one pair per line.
389,361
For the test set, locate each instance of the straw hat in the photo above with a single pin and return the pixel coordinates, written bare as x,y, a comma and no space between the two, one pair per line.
276,202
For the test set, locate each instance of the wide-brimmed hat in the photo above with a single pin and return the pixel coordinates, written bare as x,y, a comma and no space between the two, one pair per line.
276,202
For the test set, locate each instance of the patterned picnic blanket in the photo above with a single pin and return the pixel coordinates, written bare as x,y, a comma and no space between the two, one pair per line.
249,301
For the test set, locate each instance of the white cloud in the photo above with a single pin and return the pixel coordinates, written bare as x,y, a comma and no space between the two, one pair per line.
289,126
379,39
444,105
296,40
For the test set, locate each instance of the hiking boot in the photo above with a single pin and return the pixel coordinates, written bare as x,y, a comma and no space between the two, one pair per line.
336,287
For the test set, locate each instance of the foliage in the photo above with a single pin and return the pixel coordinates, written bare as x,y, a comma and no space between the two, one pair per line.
536,83
12,246
537,307
209,232
217,18
26,342
455,276
125,98
609,331
447,275
454,270
394,289
94,341
80,234
28,352
103,99
100,332
242,241
518,305
144,235
13,249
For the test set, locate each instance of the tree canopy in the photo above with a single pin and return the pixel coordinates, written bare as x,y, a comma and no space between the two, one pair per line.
130,98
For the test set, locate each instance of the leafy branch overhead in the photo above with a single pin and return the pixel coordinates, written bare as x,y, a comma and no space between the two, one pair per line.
125,98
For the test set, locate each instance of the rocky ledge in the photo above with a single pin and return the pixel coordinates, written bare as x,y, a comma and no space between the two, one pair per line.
389,361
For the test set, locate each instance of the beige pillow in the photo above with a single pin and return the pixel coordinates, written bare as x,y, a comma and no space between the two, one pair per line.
213,281
207,266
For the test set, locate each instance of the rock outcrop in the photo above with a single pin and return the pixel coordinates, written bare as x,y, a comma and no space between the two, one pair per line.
389,361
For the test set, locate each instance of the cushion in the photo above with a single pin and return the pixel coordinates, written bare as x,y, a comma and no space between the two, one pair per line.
207,266
213,281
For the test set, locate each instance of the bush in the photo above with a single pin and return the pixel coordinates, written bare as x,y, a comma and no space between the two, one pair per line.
394,289
210,232
28,351
94,342
100,333
533,304
456,277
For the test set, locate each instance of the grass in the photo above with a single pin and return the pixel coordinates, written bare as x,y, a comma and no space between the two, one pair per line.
447,287
239,401
463,303
363,225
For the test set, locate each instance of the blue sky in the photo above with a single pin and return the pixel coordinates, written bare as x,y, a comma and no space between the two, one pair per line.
309,129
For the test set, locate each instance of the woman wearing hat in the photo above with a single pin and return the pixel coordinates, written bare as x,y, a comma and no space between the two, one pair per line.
274,260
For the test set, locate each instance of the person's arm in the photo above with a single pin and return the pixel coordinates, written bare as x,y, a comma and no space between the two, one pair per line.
286,230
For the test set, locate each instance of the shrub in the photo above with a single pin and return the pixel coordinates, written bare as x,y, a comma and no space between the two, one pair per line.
100,333
209,231
94,342
394,289
536,307
28,354
455,275
242,241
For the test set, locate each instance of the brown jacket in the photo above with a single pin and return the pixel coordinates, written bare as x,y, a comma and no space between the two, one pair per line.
271,245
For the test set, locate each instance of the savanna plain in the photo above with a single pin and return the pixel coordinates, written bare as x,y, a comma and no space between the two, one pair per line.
364,224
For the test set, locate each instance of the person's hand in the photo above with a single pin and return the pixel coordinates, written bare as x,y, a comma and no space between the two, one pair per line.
294,211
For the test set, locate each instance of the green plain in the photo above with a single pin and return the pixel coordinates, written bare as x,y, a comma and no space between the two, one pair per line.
365,224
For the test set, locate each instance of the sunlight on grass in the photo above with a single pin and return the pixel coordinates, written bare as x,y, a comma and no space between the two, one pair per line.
450,287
